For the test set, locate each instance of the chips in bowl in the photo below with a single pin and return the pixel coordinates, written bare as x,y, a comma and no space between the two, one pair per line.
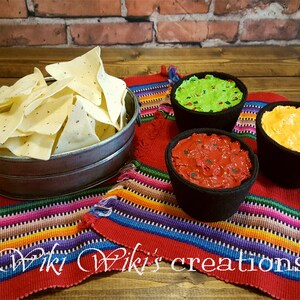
81,107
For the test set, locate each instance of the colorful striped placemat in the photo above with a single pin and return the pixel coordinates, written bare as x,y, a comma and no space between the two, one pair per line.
258,246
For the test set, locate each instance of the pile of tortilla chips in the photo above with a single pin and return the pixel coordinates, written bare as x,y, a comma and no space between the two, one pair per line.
84,105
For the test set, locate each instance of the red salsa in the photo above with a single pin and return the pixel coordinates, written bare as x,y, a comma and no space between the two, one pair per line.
212,161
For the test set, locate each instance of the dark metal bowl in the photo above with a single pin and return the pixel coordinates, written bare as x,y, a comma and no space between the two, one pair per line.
26,178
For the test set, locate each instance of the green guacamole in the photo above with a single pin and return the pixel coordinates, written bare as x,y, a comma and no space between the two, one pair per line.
208,94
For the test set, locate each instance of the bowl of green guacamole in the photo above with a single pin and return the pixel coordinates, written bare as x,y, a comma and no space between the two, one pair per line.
208,99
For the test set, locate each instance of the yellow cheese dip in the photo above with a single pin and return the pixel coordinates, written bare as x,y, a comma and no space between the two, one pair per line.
282,124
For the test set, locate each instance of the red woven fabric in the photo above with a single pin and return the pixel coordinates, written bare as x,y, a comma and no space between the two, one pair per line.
149,146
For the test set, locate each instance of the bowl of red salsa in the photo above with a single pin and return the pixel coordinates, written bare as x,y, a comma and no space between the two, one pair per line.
211,172
208,100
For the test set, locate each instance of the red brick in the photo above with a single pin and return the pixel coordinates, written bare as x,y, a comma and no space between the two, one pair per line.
165,7
291,6
184,6
182,31
32,35
111,33
261,30
223,7
13,9
224,30
72,8
135,9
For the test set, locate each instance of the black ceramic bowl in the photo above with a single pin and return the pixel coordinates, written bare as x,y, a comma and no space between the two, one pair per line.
277,162
225,120
203,203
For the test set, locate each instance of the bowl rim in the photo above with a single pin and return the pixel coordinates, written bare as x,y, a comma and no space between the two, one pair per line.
269,107
202,75
134,118
184,134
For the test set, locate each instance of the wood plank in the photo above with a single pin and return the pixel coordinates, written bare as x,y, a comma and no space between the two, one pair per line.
285,86
165,283
260,54
258,61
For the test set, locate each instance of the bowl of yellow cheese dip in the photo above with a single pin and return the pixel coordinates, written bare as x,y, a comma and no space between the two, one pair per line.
208,99
278,142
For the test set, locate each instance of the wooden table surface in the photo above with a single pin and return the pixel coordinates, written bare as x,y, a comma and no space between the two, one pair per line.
272,69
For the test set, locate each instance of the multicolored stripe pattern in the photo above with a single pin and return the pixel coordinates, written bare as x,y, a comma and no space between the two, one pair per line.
257,246
44,245
55,240
264,231
245,126
151,92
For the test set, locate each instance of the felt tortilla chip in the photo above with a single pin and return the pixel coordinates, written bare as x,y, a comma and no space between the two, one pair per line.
83,70
107,132
32,103
26,86
5,107
10,121
19,133
35,146
96,112
22,87
77,132
123,113
113,90
48,118
104,131
4,90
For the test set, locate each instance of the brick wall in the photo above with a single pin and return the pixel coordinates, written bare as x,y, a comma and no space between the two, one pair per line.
149,23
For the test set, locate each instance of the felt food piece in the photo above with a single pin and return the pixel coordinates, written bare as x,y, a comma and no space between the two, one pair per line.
24,86
33,136
4,90
9,121
104,131
212,161
35,145
282,124
19,133
49,117
208,94
29,86
83,70
123,120
96,112
37,119
113,90
77,132
32,103
4,102
107,132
